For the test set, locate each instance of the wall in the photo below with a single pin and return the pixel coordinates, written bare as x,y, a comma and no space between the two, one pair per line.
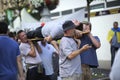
100,26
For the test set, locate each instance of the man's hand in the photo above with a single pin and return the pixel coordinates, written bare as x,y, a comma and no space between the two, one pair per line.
86,32
86,47
48,38
78,34
76,22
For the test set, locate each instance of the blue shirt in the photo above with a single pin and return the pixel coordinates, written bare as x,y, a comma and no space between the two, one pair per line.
114,39
89,56
9,50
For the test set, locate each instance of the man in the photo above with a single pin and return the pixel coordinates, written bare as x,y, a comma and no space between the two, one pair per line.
88,57
10,59
69,59
114,40
30,52
47,51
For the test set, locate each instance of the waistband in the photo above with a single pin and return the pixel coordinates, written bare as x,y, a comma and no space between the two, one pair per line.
30,66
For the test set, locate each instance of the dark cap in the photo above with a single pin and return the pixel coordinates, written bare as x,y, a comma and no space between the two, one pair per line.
68,25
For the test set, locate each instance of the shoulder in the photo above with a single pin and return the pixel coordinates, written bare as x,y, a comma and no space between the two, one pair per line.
63,40
96,37
23,45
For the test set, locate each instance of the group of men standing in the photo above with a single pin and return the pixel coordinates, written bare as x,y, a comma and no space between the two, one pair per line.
76,51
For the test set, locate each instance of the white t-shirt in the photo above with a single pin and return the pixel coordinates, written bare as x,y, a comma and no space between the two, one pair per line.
46,57
54,29
25,49
68,67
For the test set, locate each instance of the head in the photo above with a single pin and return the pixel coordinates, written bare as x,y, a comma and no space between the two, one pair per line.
22,36
115,24
69,28
12,35
42,24
86,25
3,28
43,42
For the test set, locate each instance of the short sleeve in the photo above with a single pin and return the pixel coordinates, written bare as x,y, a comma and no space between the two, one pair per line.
96,37
67,47
24,49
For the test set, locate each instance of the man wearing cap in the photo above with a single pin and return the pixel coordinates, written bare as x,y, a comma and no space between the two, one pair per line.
69,60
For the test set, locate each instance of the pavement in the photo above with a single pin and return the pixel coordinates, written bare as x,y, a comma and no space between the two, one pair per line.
98,74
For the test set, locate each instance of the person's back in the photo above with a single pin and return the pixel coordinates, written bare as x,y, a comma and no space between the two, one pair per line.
9,51
8,62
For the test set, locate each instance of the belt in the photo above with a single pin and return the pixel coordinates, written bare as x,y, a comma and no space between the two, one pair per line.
30,66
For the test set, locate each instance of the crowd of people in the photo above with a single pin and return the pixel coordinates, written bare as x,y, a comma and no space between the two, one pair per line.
71,58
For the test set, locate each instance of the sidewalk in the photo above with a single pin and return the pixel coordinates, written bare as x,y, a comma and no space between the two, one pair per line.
100,74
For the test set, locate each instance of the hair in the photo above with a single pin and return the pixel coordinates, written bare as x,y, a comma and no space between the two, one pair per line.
80,27
115,22
19,33
3,27
88,23
11,34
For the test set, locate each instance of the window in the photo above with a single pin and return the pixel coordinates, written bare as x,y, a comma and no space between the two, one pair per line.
66,12
55,14
98,6
113,3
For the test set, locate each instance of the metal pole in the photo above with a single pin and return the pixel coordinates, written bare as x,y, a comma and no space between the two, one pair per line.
88,9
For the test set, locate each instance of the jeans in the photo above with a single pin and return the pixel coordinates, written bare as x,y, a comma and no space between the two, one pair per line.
86,75
51,77
113,52
32,74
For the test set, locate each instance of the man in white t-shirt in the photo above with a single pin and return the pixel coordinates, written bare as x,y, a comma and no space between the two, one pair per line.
46,56
32,57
